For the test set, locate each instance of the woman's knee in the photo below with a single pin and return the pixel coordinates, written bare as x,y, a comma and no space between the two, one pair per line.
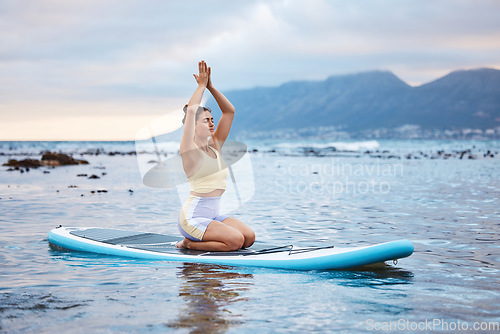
232,238
235,242
249,238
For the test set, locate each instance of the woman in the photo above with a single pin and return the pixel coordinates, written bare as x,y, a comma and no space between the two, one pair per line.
200,222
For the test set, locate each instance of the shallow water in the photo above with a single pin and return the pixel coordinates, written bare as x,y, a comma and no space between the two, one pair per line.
448,208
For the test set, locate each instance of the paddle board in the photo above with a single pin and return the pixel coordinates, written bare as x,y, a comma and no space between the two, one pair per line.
155,246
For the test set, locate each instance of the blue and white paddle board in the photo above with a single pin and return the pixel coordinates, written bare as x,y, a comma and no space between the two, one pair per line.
162,247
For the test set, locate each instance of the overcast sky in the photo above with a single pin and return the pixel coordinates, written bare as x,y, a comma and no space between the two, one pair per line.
99,69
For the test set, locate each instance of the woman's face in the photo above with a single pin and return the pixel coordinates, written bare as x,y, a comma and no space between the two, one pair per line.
205,126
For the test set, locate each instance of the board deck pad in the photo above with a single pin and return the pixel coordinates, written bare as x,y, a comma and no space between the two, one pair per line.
166,243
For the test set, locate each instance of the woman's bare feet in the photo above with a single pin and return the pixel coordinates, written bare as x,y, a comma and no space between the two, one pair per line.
183,244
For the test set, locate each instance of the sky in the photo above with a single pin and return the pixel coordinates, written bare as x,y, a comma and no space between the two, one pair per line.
102,69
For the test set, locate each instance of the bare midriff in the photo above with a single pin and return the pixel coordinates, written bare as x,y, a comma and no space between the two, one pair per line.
213,193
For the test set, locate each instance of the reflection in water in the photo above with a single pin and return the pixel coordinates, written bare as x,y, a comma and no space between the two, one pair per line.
379,274
208,290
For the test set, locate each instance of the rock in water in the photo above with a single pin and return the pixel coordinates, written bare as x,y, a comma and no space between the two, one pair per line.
60,159
48,159
23,163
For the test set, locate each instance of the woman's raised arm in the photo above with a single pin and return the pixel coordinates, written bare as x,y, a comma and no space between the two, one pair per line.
222,131
187,140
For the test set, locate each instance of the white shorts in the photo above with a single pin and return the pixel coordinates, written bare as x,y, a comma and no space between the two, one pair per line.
196,214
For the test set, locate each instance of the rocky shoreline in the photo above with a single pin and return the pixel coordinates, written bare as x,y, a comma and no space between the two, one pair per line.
470,154
46,161
53,159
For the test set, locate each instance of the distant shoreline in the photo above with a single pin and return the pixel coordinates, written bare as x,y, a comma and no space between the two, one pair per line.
396,149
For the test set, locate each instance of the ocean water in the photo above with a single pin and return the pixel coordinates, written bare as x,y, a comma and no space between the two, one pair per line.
444,196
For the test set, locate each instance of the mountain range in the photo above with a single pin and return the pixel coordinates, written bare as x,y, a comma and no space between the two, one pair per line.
371,100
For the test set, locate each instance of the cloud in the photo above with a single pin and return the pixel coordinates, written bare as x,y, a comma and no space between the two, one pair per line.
128,51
